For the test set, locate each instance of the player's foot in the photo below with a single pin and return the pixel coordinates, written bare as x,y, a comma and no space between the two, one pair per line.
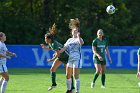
92,85
68,91
72,89
52,87
102,86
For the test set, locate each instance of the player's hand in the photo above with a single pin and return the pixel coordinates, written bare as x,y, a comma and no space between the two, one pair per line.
54,54
78,34
14,54
138,75
110,61
49,60
42,45
100,58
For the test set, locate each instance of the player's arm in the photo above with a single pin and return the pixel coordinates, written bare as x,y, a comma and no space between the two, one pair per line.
138,72
95,52
10,53
108,54
62,50
45,47
55,55
3,56
80,39
138,63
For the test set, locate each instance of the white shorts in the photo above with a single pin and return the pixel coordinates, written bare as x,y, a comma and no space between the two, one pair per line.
74,63
3,68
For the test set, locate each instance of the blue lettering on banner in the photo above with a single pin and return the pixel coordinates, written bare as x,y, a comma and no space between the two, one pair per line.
33,56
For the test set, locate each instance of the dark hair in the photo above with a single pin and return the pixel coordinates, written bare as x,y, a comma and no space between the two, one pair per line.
52,32
49,36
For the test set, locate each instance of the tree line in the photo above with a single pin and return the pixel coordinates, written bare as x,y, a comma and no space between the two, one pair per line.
26,21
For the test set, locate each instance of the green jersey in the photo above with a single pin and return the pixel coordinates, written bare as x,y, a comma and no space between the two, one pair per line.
100,48
138,51
56,46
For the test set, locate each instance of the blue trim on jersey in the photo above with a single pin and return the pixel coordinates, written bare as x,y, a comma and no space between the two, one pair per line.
79,63
3,68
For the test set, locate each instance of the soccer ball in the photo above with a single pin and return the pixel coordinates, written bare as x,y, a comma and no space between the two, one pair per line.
110,9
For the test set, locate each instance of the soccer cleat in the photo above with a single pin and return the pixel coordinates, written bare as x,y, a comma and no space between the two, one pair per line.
92,85
51,87
102,86
68,91
72,89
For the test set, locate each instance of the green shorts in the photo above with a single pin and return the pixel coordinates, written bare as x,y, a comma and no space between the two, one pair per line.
63,58
97,61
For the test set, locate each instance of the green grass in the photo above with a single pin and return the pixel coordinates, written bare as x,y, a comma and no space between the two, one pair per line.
38,80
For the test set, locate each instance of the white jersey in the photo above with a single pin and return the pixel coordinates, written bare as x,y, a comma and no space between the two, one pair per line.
3,50
74,48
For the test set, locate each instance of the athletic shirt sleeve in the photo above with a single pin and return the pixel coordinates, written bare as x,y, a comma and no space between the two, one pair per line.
3,48
56,45
67,43
94,43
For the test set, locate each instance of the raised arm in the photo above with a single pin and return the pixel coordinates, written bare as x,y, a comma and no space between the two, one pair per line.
80,39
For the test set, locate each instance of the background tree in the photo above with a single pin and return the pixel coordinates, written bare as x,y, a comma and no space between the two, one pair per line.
26,21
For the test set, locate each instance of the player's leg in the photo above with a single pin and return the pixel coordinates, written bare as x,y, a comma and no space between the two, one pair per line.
53,69
98,69
69,71
103,70
72,80
5,76
1,80
77,80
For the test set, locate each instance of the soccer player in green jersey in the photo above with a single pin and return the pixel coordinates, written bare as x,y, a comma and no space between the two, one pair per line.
57,61
99,47
138,72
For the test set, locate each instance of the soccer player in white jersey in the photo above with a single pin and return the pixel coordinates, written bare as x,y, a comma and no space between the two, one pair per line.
73,45
138,72
3,69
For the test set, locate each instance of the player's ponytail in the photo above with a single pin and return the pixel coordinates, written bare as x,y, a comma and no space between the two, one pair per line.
52,32
53,29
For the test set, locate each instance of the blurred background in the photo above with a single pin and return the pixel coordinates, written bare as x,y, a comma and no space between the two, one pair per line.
26,21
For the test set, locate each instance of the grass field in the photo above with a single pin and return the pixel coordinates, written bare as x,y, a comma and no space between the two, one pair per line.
38,80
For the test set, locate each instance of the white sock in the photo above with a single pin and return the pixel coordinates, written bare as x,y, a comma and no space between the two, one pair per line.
68,81
3,86
1,80
77,85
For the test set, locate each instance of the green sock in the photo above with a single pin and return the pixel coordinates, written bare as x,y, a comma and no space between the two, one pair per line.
72,82
95,77
103,79
53,76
